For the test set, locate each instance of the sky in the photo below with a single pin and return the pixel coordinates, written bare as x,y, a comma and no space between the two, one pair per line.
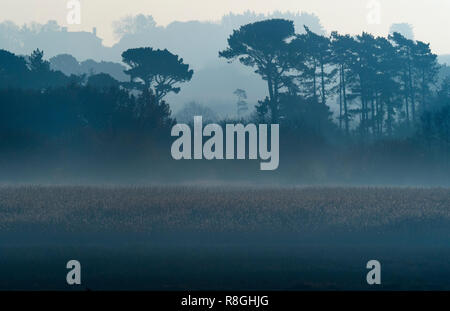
429,17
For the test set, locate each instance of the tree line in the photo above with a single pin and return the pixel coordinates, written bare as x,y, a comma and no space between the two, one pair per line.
388,93
381,85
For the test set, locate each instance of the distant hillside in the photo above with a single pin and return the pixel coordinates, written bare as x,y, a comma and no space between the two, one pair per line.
69,65
52,39
197,42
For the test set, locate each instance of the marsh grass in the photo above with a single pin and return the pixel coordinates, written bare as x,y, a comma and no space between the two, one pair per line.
219,209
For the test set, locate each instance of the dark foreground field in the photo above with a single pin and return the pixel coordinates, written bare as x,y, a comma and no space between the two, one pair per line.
224,238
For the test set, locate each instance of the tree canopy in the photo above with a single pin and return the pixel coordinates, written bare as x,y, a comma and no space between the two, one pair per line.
264,45
159,71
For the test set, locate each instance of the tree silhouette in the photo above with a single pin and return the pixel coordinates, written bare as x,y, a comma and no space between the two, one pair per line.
13,69
427,69
37,63
405,50
343,47
102,81
405,29
65,63
157,70
264,45
130,25
317,56
242,105
41,76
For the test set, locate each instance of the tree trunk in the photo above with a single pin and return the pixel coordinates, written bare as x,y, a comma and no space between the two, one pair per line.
346,117
340,100
412,93
322,73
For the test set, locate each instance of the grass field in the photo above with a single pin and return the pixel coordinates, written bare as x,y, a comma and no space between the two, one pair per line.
176,237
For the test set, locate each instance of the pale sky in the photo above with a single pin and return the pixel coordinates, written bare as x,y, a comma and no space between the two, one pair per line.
430,18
